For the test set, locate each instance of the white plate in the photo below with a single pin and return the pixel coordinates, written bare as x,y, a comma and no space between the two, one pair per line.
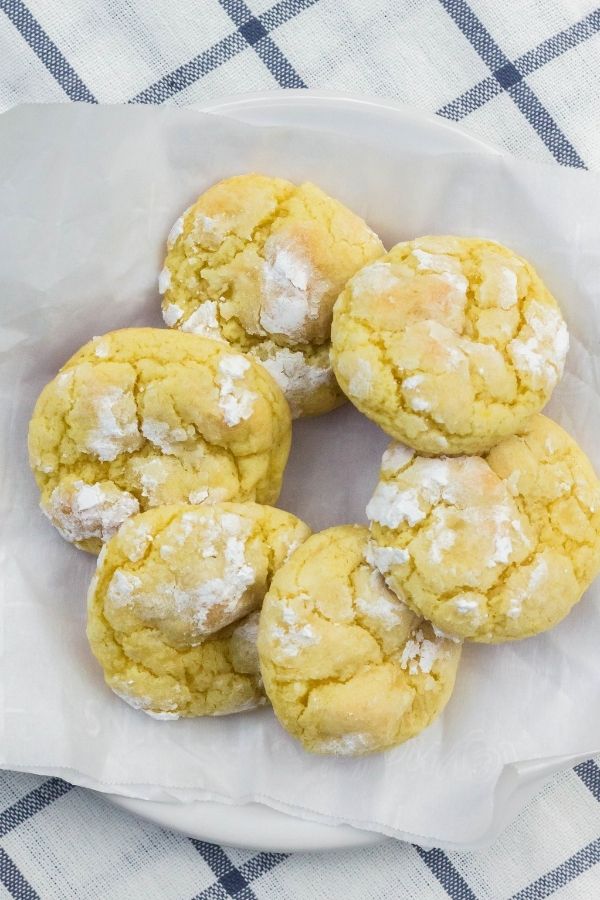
254,825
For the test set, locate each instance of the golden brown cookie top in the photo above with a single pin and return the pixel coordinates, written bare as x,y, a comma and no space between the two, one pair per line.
146,416
449,343
348,667
493,548
171,602
258,262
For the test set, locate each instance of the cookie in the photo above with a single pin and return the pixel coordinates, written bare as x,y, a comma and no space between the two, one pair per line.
348,668
143,417
172,609
258,262
450,344
492,548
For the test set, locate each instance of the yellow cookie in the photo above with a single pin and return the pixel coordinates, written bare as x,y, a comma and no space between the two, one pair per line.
490,549
450,344
172,608
143,417
348,667
258,262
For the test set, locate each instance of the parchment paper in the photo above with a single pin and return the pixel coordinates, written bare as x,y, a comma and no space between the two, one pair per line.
87,196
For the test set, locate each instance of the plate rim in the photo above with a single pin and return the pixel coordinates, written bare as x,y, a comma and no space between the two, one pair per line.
229,104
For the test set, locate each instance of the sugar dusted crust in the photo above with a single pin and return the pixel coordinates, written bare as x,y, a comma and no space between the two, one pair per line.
489,549
142,417
172,609
348,667
258,262
449,344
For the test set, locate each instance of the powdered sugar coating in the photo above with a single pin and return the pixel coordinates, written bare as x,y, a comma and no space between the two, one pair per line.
152,474
377,277
269,258
136,536
396,457
348,667
419,653
352,744
122,588
236,401
540,350
164,281
101,349
204,321
291,636
537,577
81,511
361,380
175,231
162,435
144,703
492,548
391,505
380,603
181,619
172,314
145,418
291,291
466,603
464,343
296,376
383,558
207,580
115,430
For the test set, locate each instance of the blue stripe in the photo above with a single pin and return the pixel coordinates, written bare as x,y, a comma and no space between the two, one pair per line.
446,873
529,62
256,35
215,856
13,880
46,50
32,803
222,52
580,862
509,76
214,892
538,116
472,99
476,32
589,772
233,881
278,65
261,864
283,11
191,71
560,43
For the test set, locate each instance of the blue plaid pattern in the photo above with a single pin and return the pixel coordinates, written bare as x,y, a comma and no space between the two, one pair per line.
507,76
225,873
271,37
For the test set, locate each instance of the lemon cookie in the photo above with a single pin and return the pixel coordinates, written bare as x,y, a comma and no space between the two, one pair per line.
349,668
490,549
172,608
450,344
143,417
258,262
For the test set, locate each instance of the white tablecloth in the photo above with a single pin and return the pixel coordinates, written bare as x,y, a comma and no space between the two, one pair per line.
523,75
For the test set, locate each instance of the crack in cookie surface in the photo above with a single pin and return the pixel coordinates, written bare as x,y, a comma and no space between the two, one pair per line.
494,548
172,608
348,667
449,344
258,262
157,417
